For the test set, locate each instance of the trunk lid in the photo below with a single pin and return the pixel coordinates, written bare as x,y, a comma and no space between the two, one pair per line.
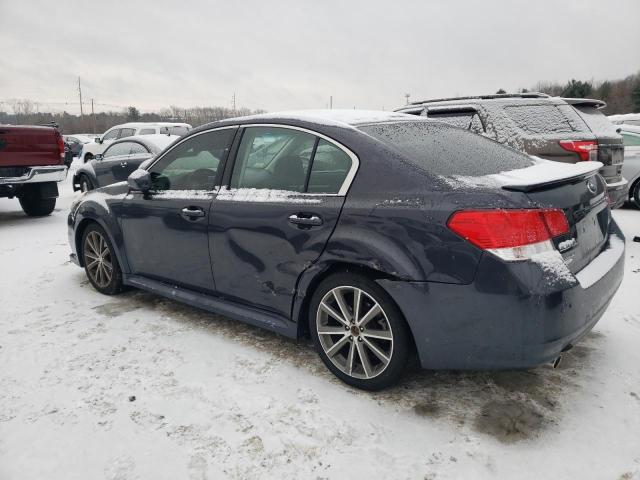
582,198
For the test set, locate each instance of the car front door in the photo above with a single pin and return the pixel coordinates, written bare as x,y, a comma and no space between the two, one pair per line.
107,168
165,230
276,214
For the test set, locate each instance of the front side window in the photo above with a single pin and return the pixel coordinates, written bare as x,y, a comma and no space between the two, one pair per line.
127,132
193,164
118,149
631,140
111,135
273,158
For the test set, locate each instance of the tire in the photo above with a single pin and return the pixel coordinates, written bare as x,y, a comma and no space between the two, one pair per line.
35,206
634,194
342,343
88,157
100,262
85,183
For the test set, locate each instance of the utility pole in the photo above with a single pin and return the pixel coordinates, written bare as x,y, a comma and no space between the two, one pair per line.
93,114
233,102
331,102
80,94
406,96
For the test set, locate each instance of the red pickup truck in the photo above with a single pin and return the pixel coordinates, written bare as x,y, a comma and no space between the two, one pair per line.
31,164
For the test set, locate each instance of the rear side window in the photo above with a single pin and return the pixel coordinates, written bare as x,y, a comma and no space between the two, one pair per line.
538,119
147,131
273,158
137,149
329,169
631,140
443,150
596,120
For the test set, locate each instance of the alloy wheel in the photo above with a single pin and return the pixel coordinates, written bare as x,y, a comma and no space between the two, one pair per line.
354,332
97,258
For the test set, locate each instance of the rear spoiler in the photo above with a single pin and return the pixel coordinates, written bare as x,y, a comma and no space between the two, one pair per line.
586,102
543,175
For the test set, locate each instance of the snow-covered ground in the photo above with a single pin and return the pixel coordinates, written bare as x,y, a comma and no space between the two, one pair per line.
136,386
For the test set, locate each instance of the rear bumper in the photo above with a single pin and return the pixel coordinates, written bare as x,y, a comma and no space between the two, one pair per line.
54,173
512,316
618,192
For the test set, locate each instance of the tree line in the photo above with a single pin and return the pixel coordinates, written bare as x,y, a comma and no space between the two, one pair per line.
622,96
25,112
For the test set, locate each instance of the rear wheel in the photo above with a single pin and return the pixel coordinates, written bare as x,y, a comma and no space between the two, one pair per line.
100,262
359,332
635,193
88,157
35,206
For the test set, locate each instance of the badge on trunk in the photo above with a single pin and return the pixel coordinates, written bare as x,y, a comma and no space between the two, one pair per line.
592,185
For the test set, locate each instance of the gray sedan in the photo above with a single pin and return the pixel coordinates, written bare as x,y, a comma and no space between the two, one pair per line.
631,165
119,160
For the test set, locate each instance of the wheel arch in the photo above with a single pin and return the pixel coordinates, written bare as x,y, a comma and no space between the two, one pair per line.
318,273
79,232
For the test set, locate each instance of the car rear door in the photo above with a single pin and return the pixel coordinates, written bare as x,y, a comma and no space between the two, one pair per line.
276,214
165,230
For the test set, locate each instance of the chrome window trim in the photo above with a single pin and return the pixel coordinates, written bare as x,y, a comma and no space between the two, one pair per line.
355,161
346,184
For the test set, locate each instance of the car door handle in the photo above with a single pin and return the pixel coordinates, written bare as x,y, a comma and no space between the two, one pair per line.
123,164
193,212
312,220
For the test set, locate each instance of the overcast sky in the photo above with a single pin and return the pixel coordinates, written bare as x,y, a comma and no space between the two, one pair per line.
294,54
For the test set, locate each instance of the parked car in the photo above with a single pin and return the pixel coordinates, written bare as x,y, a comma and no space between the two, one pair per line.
403,235
31,164
626,118
566,130
119,159
631,168
76,142
99,145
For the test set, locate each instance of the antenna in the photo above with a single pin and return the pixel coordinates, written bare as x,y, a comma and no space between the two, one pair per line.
233,102
406,96
80,94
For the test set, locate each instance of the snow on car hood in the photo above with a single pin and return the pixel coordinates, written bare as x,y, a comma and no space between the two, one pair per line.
541,172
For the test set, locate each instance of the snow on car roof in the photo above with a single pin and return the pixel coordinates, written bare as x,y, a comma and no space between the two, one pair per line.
158,140
334,117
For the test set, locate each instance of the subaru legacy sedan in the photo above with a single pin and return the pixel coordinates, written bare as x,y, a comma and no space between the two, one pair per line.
379,235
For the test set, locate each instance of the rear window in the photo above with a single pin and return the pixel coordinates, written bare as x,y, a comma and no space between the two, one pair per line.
174,130
444,150
539,119
596,120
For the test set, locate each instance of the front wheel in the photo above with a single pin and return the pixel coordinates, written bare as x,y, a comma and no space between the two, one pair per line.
35,206
100,262
359,332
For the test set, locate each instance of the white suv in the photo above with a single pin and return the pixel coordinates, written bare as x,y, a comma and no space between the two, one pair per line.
99,145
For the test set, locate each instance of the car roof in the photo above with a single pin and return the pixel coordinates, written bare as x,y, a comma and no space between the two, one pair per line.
155,142
150,124
505,99
331,118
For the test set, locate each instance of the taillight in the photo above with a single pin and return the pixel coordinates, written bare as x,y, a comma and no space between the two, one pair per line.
510,234
586,149
60,145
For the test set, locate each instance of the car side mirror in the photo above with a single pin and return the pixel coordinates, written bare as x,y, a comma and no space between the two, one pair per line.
98,157
139,181
98,140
